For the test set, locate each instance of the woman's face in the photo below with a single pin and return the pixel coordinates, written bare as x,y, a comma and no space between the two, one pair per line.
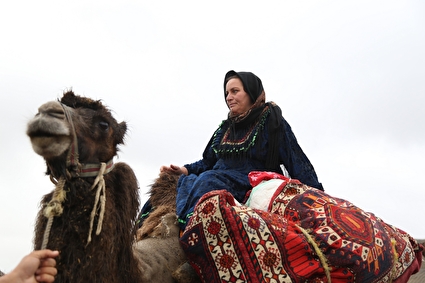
237,99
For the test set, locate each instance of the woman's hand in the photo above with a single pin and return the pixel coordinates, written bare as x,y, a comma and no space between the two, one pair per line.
174,169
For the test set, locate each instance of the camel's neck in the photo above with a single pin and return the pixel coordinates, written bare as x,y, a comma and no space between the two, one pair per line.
92,169
54,207
82,170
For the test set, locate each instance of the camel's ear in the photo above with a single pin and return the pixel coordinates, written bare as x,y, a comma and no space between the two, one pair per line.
122,129
68,98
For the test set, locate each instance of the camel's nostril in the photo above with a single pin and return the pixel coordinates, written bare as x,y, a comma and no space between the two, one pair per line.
56,114
52,108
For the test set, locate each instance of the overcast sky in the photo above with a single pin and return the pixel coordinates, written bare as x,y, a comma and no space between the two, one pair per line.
348,75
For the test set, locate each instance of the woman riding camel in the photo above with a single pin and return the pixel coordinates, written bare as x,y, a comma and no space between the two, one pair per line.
254,137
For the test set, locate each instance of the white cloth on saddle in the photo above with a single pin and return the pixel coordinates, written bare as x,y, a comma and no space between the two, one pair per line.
262,194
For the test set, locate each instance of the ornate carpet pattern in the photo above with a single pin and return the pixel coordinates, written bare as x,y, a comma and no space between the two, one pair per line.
305,236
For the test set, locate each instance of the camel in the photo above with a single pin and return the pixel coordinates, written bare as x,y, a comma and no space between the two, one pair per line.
90,215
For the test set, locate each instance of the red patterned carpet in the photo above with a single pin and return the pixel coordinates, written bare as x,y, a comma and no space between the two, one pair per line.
305,235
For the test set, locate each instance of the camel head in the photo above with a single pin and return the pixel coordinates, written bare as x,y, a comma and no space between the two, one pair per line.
77,130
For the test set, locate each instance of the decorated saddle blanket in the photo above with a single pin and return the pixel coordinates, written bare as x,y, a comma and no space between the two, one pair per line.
304,235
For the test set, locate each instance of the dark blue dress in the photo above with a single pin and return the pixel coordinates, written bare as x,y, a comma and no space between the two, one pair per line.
227,160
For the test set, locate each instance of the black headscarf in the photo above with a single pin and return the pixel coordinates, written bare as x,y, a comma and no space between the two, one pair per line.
254,88
251,83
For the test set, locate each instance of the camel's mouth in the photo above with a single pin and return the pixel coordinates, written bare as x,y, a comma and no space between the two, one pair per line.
44,126
50,146
49,131
40,133
50,143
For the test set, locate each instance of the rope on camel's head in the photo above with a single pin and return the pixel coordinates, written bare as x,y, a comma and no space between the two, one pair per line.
76,169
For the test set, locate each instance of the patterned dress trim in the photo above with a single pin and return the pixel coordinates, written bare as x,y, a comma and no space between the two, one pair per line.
226,144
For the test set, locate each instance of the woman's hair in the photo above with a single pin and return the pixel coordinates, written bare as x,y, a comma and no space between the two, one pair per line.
231,77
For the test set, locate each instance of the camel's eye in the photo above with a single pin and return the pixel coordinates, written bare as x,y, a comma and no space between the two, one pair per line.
104,125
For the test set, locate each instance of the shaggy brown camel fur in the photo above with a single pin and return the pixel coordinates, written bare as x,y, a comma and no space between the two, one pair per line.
90,215
157,264
162,223
163,199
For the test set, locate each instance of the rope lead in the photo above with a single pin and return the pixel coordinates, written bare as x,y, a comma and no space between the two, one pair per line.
53,208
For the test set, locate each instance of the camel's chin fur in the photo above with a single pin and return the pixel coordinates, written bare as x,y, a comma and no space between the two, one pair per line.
50,147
